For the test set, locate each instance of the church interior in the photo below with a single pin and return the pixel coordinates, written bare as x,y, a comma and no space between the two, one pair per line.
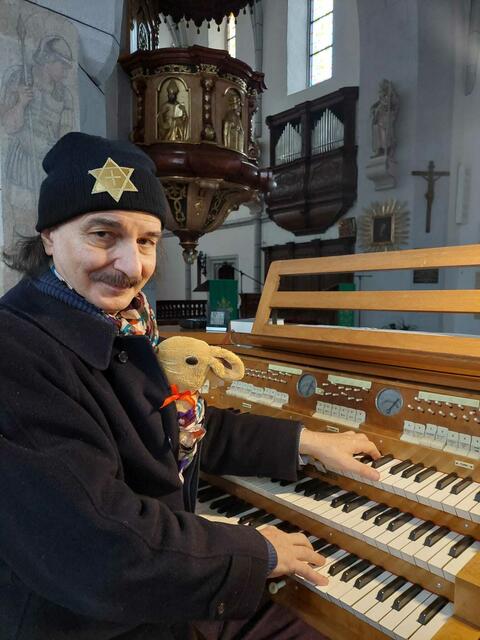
341,138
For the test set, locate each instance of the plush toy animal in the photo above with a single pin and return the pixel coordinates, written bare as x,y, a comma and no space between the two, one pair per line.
187,362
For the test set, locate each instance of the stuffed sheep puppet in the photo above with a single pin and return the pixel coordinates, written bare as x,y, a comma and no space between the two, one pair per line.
187,363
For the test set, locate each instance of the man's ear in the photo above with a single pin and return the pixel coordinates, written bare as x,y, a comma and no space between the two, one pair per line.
46,236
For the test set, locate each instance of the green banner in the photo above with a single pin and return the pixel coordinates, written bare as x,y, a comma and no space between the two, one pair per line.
223,296
346,317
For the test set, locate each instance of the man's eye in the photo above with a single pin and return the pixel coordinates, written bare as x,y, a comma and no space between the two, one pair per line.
102,234
147,242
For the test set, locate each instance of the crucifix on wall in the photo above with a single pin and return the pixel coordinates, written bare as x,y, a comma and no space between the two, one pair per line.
431,176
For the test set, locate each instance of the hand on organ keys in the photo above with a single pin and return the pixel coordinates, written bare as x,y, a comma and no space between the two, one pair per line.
337,451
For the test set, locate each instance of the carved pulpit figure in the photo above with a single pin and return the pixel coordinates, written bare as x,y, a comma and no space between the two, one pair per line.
172,116
383,114
233,132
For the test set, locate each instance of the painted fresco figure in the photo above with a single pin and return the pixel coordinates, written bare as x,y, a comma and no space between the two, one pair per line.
36,111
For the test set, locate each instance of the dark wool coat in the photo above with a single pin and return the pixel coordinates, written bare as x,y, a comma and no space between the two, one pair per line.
97,538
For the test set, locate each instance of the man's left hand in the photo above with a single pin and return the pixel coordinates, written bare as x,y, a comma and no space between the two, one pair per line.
336,451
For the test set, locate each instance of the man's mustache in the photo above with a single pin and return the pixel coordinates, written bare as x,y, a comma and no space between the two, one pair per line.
115,279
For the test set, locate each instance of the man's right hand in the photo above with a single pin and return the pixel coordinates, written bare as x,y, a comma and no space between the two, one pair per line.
295,555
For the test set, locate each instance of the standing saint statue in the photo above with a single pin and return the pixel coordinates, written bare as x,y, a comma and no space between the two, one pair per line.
383,115
233,132
172,118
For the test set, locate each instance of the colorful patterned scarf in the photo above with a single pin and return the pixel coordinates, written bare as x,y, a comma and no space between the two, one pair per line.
138,319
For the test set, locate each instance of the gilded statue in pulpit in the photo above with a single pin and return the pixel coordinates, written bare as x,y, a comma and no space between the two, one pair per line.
172,113
233,131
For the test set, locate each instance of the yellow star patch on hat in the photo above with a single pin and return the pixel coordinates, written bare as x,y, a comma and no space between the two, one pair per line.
113,179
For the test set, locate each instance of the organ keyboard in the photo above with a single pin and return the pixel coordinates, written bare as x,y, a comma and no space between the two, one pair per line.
402,552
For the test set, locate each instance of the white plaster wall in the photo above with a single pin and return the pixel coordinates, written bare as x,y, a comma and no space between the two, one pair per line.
418,37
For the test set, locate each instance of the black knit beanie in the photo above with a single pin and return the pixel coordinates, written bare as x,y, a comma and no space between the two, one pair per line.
88,173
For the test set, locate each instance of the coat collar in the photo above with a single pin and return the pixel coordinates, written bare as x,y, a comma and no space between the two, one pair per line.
91,338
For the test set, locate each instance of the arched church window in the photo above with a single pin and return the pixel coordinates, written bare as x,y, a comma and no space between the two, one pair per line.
320,41
231,34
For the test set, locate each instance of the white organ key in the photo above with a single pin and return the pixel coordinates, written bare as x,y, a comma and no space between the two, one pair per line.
475,513
361,607
395,618
441,558
410,551
385,474
426,632
382,609
425,493
440,495
424,555
464,509
402,540
356,595
410,624
450,503
453,566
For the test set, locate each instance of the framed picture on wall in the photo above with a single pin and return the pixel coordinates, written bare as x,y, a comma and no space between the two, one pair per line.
382,230
384,226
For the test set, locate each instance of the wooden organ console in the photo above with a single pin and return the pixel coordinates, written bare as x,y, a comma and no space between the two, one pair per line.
402,554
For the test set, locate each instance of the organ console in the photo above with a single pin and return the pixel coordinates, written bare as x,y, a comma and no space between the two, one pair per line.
402,553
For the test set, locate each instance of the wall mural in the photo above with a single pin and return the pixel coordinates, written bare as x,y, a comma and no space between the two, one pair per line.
38,105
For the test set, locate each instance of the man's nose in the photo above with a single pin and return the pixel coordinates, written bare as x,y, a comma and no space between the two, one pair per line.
129,260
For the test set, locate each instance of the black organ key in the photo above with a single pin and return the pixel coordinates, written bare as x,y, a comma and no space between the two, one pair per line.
327,490
202,484
285,483
425,474
366,459
461,486
460,546
376,464
342,564
374,511
444,482
413,470
250,517
362,581
421,530
217,505
226,506
386,516
477,497
287,527
405,597
342,499
354,571
209,494
329,550
432,610
303,484
435,536
355,504
318,544
390,588
400,467
309,491
263,519
238,508
400,521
